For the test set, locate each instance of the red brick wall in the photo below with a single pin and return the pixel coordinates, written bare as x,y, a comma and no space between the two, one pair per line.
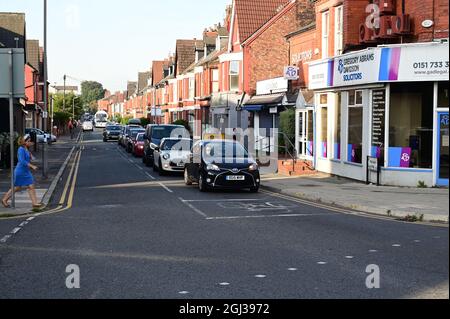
302,52
269,53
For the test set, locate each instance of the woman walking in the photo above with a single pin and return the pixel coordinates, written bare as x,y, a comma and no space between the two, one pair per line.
22,174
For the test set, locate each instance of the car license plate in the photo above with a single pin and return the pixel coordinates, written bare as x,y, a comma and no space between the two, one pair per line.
180,164
235,178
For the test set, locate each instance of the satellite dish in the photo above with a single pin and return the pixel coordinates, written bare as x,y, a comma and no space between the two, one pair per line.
427,23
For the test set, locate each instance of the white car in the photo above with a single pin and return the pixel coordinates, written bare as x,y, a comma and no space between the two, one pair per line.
41,135
88,126
172,155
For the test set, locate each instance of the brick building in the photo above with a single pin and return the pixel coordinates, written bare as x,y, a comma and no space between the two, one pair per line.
381,90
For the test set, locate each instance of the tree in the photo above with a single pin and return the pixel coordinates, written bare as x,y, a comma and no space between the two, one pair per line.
287,126
71,99
91,92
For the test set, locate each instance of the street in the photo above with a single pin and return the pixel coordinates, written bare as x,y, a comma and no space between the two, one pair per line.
134,234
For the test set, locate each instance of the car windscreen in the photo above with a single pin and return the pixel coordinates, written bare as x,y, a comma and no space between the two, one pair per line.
177,145
134,133
160,132
140,137
113,128
221,150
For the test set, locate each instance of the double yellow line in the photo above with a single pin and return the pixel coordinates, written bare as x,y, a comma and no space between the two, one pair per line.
66,200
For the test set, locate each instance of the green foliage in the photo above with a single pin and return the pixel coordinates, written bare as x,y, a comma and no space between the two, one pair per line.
125,120
287,126
71,101
61,118
91,92
422,184
183,123
145,121
118,118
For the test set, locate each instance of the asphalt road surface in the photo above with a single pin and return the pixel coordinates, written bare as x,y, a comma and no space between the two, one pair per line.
133,234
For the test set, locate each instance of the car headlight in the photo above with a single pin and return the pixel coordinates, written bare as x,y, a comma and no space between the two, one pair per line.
213,167
166,156
253,167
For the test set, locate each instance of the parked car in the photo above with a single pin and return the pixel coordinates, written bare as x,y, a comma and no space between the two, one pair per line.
123,136
88,126
138,145
172,155
155,134
41,135
222,164
131,138
111,132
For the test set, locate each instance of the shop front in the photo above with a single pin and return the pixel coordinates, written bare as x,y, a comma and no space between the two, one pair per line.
388,103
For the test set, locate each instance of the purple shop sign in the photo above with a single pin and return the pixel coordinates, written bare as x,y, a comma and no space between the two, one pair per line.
405,159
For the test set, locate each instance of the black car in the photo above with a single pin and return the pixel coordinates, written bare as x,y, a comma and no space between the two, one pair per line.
155,134
112,132
222,164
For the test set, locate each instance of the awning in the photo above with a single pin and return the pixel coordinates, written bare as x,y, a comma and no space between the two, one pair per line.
253,108
265,100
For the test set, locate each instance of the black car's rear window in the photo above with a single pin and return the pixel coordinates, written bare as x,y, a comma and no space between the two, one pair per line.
113,128
161,132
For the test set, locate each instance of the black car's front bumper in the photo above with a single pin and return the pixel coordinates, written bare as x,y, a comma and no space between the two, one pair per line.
220,179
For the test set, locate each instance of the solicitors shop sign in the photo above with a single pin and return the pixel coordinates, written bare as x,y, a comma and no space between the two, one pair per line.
354,69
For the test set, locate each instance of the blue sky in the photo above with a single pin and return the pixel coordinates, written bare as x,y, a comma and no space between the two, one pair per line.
103,41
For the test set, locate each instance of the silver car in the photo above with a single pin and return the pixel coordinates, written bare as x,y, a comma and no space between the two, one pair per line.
41,135
172,155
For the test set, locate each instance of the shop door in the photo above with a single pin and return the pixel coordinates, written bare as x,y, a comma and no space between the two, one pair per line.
443,150
306,134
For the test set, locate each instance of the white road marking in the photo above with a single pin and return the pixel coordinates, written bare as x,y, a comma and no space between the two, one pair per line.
23,224
349,257
396,245
165,187
260,276
184,292
292,269
150,176
15,230
30,219
5,239
262,216
220,200
373,251
417,241
198,211
322,263
224,284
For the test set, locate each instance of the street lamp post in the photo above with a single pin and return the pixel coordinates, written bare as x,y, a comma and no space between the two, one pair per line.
44,149
73,107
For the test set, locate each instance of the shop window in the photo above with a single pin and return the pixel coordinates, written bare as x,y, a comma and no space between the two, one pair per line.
355,127
234,76
324,126
310,134
337,128
443,94
411,125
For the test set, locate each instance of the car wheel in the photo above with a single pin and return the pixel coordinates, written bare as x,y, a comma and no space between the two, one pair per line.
161,170
254,189
202,184
187,179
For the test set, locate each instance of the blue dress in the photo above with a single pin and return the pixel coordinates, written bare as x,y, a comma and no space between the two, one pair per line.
22,173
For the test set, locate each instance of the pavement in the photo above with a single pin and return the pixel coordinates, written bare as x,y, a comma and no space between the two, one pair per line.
427,204
130,233
58,154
